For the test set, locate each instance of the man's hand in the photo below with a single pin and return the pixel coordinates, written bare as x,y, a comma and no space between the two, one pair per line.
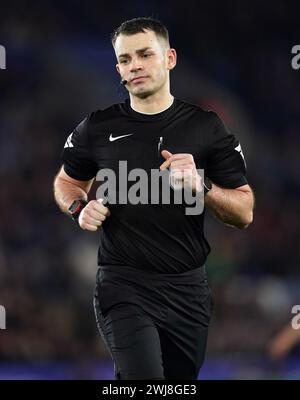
183,171
93,215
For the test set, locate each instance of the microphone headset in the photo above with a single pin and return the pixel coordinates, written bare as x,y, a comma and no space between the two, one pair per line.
122,89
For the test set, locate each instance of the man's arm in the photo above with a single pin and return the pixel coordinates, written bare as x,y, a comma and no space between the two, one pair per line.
67,189
234,207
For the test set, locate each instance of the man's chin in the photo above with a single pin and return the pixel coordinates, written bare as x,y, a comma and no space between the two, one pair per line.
143,93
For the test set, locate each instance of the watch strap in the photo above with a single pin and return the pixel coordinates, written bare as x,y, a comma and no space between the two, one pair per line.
76,207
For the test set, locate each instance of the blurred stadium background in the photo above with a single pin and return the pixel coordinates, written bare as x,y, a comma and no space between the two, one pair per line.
234,58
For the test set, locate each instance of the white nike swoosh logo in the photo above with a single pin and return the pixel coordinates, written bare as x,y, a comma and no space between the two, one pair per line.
111,138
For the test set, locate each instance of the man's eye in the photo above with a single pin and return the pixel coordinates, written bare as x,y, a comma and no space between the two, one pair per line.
146,55
123,61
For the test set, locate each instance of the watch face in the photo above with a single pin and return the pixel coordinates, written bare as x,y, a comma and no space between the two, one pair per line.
75,206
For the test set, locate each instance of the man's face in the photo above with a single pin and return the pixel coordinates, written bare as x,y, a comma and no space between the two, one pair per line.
144,60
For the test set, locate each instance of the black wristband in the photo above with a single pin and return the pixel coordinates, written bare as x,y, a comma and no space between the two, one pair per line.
207,184
76,207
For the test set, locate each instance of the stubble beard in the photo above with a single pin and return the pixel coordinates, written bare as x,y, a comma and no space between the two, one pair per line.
148,92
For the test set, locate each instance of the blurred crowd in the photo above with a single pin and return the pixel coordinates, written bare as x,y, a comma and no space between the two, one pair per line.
60,66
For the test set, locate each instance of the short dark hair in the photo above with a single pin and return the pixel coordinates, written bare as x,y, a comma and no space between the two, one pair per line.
138,25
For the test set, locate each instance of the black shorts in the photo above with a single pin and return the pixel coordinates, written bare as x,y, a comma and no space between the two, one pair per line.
154,325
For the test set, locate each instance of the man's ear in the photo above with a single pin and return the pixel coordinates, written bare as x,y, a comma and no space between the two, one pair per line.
118,68
172,58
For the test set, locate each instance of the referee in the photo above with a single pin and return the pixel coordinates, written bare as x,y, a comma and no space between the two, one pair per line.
152,300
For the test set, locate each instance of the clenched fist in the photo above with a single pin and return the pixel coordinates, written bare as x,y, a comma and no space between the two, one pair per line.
93,215
183,171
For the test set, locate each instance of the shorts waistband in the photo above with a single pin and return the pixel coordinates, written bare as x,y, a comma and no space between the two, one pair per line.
195,275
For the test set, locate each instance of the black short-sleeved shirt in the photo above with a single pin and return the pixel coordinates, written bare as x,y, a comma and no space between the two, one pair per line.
153,237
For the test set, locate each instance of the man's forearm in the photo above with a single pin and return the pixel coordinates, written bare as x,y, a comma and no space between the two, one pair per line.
65,193
234,207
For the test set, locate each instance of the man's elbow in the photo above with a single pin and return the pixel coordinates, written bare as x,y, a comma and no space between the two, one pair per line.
247,216
246,221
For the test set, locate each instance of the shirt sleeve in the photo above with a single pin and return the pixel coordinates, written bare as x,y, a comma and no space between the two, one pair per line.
225,164
76,156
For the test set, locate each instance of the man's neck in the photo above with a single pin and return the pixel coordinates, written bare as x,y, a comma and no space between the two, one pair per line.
152,104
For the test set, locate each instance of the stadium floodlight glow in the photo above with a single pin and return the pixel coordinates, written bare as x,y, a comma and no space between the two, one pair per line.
2,57
2,317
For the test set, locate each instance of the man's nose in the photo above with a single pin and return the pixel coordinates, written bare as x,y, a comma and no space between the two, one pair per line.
136,65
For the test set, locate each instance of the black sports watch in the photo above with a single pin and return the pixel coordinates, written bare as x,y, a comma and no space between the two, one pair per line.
207,184
76,207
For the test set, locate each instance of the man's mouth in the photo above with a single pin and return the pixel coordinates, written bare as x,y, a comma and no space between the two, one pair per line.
138,78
